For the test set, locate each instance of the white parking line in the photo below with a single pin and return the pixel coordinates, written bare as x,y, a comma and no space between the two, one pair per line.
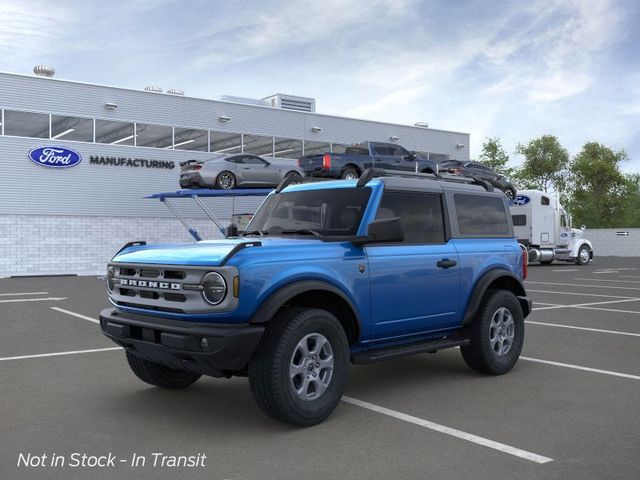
614,332
48,299
485,442
603,280
580,294
587,305
73,314
57,354
584,285
580,367
610,310
23,293
567,270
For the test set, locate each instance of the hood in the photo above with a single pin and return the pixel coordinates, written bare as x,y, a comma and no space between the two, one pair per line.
206,253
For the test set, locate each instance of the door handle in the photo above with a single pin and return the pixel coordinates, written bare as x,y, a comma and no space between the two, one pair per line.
446,263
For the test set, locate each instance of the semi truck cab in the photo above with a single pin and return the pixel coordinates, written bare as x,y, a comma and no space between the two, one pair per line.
544,227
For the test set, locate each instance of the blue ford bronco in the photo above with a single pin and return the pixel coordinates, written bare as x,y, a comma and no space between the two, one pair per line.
326,274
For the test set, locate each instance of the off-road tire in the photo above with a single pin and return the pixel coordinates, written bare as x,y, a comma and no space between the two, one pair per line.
220,180
159,375
350,173
479,355
579,260
269,368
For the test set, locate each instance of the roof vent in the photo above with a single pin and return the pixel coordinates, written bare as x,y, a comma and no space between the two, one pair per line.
243,100
292,102
175,91
44,71
153,88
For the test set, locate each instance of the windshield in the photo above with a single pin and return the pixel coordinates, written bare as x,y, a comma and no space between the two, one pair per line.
328,212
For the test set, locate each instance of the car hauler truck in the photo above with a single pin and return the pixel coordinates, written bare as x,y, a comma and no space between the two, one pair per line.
543,226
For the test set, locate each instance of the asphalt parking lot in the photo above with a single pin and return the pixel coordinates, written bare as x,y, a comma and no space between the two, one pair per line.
570,409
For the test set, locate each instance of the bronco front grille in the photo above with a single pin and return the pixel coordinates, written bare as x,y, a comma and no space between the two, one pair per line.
162,288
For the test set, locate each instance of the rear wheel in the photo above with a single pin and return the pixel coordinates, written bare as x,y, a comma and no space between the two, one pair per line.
159,375
299,370
350,173
496,334
225,180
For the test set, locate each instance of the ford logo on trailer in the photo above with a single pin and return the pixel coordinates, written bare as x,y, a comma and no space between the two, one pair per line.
55,157
521,200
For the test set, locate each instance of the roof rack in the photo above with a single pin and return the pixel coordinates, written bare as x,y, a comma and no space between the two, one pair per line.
432,176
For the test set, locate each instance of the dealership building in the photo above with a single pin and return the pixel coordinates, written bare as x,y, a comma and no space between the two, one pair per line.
127,144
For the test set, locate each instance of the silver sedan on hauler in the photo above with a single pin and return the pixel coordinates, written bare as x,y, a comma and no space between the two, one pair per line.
243,170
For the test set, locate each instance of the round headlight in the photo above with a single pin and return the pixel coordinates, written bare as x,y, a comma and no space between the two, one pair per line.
111,273
214,288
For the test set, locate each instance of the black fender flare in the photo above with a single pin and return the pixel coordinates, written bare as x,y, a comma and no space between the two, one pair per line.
277,299
482,286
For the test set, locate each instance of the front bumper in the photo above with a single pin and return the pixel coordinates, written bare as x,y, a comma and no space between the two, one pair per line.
181,345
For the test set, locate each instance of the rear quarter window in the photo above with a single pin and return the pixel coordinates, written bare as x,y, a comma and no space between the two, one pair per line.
480,215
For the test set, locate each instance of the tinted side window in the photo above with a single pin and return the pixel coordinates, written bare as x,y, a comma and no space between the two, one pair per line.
253,160
421,214
481,215
519,220
382,150
544,200
234,160
356,151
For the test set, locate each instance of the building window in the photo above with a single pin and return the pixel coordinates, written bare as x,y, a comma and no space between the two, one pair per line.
157,136
316,148
258,145
225,143
287,148
115,133
26,124
190,139
71,128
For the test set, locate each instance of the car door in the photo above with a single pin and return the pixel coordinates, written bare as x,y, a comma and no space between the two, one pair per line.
257,171
414,284
382,156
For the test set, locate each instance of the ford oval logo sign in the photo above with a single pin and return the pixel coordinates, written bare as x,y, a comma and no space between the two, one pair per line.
521,200
55,157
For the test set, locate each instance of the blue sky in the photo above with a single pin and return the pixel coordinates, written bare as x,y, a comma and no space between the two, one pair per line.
515,70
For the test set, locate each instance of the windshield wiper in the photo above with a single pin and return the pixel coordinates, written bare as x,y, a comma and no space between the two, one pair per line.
255,232
301,231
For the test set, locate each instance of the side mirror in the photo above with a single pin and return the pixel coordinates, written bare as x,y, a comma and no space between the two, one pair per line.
384,230
410,156
583,227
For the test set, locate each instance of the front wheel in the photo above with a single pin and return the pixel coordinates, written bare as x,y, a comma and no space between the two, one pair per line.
496,335
299,370
584,255
159,375
510,193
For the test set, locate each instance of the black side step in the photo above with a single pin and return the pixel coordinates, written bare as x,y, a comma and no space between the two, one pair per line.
397,351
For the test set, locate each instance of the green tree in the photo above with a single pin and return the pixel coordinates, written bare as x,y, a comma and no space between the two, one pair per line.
495,157
600,192
631,215
545,164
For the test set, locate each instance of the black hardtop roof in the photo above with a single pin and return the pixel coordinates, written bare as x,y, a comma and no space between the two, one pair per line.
431,185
